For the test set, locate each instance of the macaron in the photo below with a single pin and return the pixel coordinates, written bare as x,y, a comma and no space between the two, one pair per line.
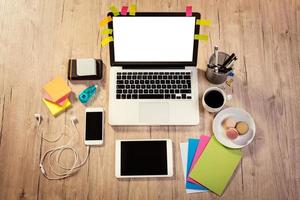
232,133
242,128
229,123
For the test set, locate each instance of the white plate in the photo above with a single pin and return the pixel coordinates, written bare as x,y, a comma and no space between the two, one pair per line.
239,115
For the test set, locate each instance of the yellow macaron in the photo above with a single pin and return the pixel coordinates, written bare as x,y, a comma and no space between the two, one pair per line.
242,128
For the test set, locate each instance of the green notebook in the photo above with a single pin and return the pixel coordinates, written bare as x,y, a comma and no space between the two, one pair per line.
215,166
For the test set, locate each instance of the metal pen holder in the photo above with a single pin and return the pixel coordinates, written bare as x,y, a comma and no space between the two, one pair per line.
214,76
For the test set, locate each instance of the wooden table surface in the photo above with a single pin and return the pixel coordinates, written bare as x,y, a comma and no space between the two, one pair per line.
38,37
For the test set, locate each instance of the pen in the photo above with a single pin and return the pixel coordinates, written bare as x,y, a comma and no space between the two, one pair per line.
226,62
216,52
216,70
210,66
231,63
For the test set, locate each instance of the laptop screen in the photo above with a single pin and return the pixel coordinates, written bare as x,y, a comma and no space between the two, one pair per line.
153,39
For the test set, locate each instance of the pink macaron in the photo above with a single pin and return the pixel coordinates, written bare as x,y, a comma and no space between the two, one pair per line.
232,133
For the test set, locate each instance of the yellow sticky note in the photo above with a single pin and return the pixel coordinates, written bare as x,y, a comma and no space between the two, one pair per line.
56,109
203,22
114,10
106,31
201,37
106,40
105,21
132,9
229,82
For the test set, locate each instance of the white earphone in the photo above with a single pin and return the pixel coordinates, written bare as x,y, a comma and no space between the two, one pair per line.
68,171
38,117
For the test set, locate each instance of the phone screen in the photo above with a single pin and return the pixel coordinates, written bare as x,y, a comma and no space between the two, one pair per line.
93,130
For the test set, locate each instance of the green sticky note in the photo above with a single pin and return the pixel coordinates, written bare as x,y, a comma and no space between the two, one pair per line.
106,31
203,22
201,37
216,166
114,10
132,9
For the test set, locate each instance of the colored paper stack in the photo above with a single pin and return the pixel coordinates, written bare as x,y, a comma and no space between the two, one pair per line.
56,96
207,164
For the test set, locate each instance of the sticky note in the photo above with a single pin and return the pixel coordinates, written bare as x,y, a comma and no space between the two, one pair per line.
201,37
216,166
124,10
57,89
56,109
188,11
183,151
229,82
192,147
105,21
106,31
132,9
203,22
60,102
114,10
204,139
106,40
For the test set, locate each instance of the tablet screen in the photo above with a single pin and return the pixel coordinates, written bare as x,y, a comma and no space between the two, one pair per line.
144,158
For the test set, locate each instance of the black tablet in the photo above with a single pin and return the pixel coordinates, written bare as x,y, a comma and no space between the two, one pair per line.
144,158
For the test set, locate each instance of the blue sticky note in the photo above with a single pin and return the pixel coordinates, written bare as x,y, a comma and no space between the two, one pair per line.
192,147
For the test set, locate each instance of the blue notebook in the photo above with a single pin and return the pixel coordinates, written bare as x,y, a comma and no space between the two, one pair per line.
192,147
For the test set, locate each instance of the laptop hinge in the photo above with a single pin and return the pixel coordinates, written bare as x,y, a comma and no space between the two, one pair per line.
163,67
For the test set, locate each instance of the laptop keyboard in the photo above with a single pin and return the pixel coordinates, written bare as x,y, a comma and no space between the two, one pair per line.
153,85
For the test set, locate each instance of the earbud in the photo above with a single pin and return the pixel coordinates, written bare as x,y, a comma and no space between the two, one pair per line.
38,117
74,119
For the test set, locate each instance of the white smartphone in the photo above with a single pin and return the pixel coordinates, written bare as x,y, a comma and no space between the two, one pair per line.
94,126
143,158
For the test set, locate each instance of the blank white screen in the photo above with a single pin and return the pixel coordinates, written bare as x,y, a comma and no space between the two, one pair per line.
158,39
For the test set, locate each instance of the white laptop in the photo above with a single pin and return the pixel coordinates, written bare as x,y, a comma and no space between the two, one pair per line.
153,76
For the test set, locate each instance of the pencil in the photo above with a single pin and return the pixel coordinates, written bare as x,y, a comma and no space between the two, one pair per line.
216,52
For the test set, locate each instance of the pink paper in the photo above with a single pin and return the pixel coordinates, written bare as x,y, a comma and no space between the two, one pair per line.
60,102
204,139
188,11
124,10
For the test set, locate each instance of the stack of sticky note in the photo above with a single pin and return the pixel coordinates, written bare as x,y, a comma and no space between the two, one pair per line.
207,164
56,95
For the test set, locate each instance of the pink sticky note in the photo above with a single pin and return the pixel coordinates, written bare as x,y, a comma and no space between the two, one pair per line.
188,11
204,139
60,102
124,10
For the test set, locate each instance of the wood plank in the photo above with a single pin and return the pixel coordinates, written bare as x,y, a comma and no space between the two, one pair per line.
38,38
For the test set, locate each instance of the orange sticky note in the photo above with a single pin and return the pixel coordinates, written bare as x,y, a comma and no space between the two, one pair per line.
57,89
59,102
105,21
106,40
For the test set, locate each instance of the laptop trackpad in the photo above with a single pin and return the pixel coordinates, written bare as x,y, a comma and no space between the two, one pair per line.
154,112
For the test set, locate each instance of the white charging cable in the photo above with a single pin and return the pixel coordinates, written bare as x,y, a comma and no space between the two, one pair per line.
58,151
